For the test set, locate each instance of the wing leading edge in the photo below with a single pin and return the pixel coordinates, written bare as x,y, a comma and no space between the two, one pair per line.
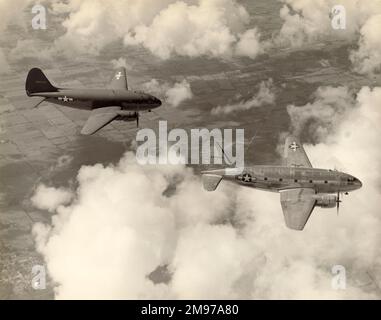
297,205
99,118
294,154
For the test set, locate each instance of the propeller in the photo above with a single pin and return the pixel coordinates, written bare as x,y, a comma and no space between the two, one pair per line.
338,202
137,119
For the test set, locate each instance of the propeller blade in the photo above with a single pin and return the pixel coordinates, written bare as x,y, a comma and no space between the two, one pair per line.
338,203
137,119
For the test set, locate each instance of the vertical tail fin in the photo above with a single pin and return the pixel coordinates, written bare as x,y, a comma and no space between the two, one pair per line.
37,82
223,154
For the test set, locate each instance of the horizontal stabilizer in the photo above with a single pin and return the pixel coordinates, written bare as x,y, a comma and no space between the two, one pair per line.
211,181
36,102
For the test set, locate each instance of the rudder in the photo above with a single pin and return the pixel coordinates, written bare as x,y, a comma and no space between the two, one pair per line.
37,82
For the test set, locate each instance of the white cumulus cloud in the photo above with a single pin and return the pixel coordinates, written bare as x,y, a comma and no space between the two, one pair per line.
164,27
306,21
49,198
265,95
329,107
367,58
174,94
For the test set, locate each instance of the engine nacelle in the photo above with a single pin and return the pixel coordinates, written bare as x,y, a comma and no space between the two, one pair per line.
127,116
326,200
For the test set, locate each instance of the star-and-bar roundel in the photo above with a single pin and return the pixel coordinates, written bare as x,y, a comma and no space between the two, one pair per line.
65,99
294,146
246,177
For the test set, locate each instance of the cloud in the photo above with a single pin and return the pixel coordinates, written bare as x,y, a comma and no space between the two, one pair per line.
265,95
130,229
350,144
180,92
121,62
249,44
49,198
306,21
220,28
92,25
173,95
162,27
367,58
329,107
10,12
153,86
205,269
215,27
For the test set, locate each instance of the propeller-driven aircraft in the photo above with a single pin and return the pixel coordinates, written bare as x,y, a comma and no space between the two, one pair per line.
301,186
116,102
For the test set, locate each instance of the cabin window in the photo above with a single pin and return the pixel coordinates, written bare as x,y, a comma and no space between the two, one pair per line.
265,179
311,181
325,181
280,179
296,180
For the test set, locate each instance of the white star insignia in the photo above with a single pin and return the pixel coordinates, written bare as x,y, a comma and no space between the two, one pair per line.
65,99
118,75
294,146
246,177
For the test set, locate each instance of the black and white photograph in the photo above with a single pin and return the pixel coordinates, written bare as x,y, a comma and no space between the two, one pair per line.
183,150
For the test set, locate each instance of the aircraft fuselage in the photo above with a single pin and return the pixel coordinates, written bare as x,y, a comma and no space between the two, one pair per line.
89,99
278,178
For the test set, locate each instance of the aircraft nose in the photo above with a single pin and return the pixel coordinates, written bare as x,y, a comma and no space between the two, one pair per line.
359,183
154,102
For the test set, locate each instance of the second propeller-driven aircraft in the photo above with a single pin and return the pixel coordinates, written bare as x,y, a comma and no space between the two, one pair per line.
116,102
301,186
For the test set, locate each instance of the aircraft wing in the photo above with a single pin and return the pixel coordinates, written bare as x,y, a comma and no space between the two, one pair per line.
37,102
294,154
297,205
99,118
119,80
